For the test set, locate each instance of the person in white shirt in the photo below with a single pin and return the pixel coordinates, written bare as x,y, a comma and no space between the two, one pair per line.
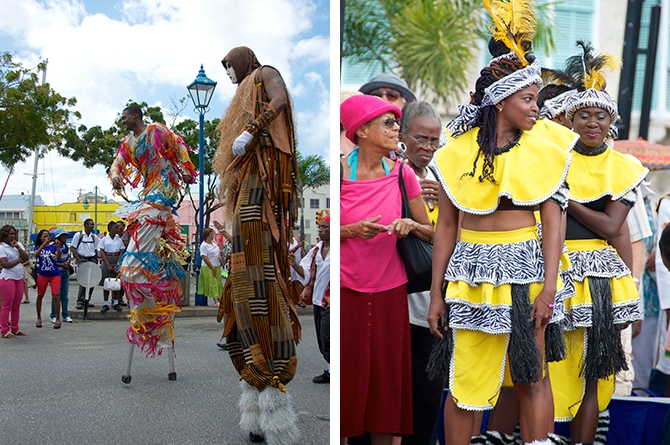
210,281
12,257
314,273
111,248
84,247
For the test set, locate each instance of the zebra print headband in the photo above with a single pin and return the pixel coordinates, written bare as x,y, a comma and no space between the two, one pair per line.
592,98
495,93
556,106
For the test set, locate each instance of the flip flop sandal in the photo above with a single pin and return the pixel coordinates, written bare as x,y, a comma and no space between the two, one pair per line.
25,302
57,325
19,333
38,324
9,335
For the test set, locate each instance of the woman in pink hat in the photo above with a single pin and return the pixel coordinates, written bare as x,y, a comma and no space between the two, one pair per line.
375,395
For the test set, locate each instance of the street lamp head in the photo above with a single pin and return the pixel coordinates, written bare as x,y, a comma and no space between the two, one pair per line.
85,204
201,91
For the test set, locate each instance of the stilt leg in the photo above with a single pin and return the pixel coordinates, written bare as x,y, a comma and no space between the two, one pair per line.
172,375
126,377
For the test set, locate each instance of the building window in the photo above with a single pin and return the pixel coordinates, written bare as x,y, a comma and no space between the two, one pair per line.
327,203
314,203
73,217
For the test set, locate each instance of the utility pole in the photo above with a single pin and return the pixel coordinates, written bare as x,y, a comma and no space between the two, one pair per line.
31,206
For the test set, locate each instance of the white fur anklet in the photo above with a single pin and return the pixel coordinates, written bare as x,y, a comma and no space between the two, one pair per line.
250,413
277,418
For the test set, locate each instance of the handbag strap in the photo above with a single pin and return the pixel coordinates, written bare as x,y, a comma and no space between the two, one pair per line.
406,212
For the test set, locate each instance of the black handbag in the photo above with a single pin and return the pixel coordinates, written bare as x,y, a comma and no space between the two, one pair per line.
416,254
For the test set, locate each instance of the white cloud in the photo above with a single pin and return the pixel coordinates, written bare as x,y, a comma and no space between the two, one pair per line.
154,51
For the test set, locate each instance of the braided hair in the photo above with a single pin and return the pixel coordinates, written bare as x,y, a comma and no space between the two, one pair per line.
487,119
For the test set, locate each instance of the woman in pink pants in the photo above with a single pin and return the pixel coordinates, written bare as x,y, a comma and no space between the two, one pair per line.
12,257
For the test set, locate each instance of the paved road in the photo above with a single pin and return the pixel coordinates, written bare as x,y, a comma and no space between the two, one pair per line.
64,386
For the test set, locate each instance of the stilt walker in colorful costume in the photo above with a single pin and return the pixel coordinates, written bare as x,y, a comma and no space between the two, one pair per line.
502,279
603,188
150,268
259,173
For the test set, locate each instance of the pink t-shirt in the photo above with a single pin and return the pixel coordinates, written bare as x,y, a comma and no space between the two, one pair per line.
374,265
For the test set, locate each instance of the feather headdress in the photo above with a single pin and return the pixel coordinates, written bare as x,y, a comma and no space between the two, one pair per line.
590,68
513,24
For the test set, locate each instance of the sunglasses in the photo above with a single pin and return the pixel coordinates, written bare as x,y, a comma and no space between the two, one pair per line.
390,94
390,122
423,142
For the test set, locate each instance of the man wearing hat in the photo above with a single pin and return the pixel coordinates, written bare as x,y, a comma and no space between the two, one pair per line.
314,273
389,87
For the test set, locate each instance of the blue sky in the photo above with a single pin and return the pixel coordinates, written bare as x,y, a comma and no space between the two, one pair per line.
105,52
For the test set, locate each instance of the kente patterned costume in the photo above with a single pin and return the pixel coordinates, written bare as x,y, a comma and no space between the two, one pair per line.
150,268
606,297
490,273
259,189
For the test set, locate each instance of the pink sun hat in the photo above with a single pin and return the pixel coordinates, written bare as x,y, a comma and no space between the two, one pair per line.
361,109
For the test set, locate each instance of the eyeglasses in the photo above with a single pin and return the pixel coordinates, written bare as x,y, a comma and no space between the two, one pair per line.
390,122
423,142
390,94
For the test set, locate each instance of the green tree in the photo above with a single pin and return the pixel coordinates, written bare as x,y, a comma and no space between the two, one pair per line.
314,172
32,114
429,43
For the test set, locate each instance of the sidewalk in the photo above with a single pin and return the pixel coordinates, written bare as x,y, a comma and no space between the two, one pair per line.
93,313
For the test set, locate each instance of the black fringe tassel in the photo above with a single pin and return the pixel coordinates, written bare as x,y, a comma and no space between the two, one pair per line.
554,343
605,356
440,357
525,359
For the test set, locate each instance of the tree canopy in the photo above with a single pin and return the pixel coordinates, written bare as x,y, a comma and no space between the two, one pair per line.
430,43
32,114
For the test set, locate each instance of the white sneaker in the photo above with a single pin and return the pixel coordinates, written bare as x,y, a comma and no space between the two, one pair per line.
53,319
67,320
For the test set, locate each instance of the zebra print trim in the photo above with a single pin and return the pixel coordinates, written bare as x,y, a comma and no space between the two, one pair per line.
581,316
497,438
497,264
601,263
496,92
561,197
556,106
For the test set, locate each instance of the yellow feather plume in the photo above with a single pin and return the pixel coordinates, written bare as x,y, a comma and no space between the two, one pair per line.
595,76
513,24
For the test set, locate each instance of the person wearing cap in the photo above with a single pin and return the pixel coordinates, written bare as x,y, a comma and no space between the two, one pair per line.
64,267
314,272
375,344
603,189
390,88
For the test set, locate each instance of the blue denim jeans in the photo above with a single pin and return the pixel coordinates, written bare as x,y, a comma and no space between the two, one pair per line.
64,290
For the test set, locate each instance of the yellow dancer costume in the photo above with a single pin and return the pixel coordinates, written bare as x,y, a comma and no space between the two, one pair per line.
489,272
594,180
605,297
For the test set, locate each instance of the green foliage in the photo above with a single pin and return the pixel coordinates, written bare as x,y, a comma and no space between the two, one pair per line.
32,115
430,42
314,171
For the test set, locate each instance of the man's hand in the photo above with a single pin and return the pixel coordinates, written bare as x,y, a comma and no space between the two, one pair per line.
117,183
186,176
240,144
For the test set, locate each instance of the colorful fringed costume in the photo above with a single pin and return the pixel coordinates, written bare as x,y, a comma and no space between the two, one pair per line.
259,190
150,268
